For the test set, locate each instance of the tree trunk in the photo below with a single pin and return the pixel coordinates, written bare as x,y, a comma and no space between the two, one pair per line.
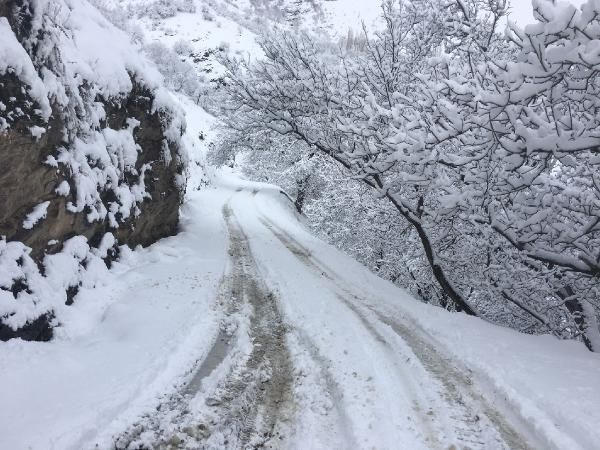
375,182
301,195
438,272
580,315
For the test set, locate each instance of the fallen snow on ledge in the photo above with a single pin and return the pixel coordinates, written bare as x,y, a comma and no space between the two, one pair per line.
38,213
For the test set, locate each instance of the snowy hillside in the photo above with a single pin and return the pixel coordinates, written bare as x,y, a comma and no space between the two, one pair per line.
299,224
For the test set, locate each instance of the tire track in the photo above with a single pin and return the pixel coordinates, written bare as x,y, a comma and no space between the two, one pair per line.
332,389
252,402
472,415
419,406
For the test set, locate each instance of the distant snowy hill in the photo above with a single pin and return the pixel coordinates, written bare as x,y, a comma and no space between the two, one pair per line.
211,27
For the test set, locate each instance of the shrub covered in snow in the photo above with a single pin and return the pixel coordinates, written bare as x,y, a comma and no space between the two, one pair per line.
45,293
159,9
179,75
188,6
182,47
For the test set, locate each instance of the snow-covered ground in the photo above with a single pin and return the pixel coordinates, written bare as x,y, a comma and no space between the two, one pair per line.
367,365
123,346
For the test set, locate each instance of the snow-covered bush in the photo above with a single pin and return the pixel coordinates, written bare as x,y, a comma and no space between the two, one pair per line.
28,293
179,75
182,47
207,14
120,16
136,33
187,6
162,9
114,13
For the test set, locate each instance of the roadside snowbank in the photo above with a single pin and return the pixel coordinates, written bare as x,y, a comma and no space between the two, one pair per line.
121,346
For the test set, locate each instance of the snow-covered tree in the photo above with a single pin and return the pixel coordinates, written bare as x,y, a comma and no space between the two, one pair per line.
179,75
487,147
182,47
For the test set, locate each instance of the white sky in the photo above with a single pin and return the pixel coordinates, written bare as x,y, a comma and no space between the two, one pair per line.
349,13
522,11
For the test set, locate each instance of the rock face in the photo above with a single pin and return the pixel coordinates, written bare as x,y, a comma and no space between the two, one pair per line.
26,181
89,148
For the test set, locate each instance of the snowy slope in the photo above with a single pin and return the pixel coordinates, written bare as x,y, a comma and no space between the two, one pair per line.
219,27
123,346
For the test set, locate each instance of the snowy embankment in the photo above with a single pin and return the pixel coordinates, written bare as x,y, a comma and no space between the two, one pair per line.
371,365
122,346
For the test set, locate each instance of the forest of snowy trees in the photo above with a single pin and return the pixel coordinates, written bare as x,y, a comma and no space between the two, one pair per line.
453,154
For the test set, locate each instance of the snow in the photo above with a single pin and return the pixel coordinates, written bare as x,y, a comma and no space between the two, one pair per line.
351,14
16,264
14,58
121,345
100,162
137,332
38,213
63,188
135,338
528,371
37,132
204,35
106,62
97,62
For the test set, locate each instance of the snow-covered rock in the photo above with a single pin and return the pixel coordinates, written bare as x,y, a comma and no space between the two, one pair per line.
90,144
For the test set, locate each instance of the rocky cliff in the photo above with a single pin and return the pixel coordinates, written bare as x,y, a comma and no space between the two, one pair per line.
90,157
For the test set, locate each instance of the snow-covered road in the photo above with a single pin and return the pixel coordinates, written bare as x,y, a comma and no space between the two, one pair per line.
362,379
246,331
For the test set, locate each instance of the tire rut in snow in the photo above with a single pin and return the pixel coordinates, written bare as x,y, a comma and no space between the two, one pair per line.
425,419
471,414
249,406
332,390
257,398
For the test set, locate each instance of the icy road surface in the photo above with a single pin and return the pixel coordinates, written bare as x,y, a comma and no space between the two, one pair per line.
245,331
